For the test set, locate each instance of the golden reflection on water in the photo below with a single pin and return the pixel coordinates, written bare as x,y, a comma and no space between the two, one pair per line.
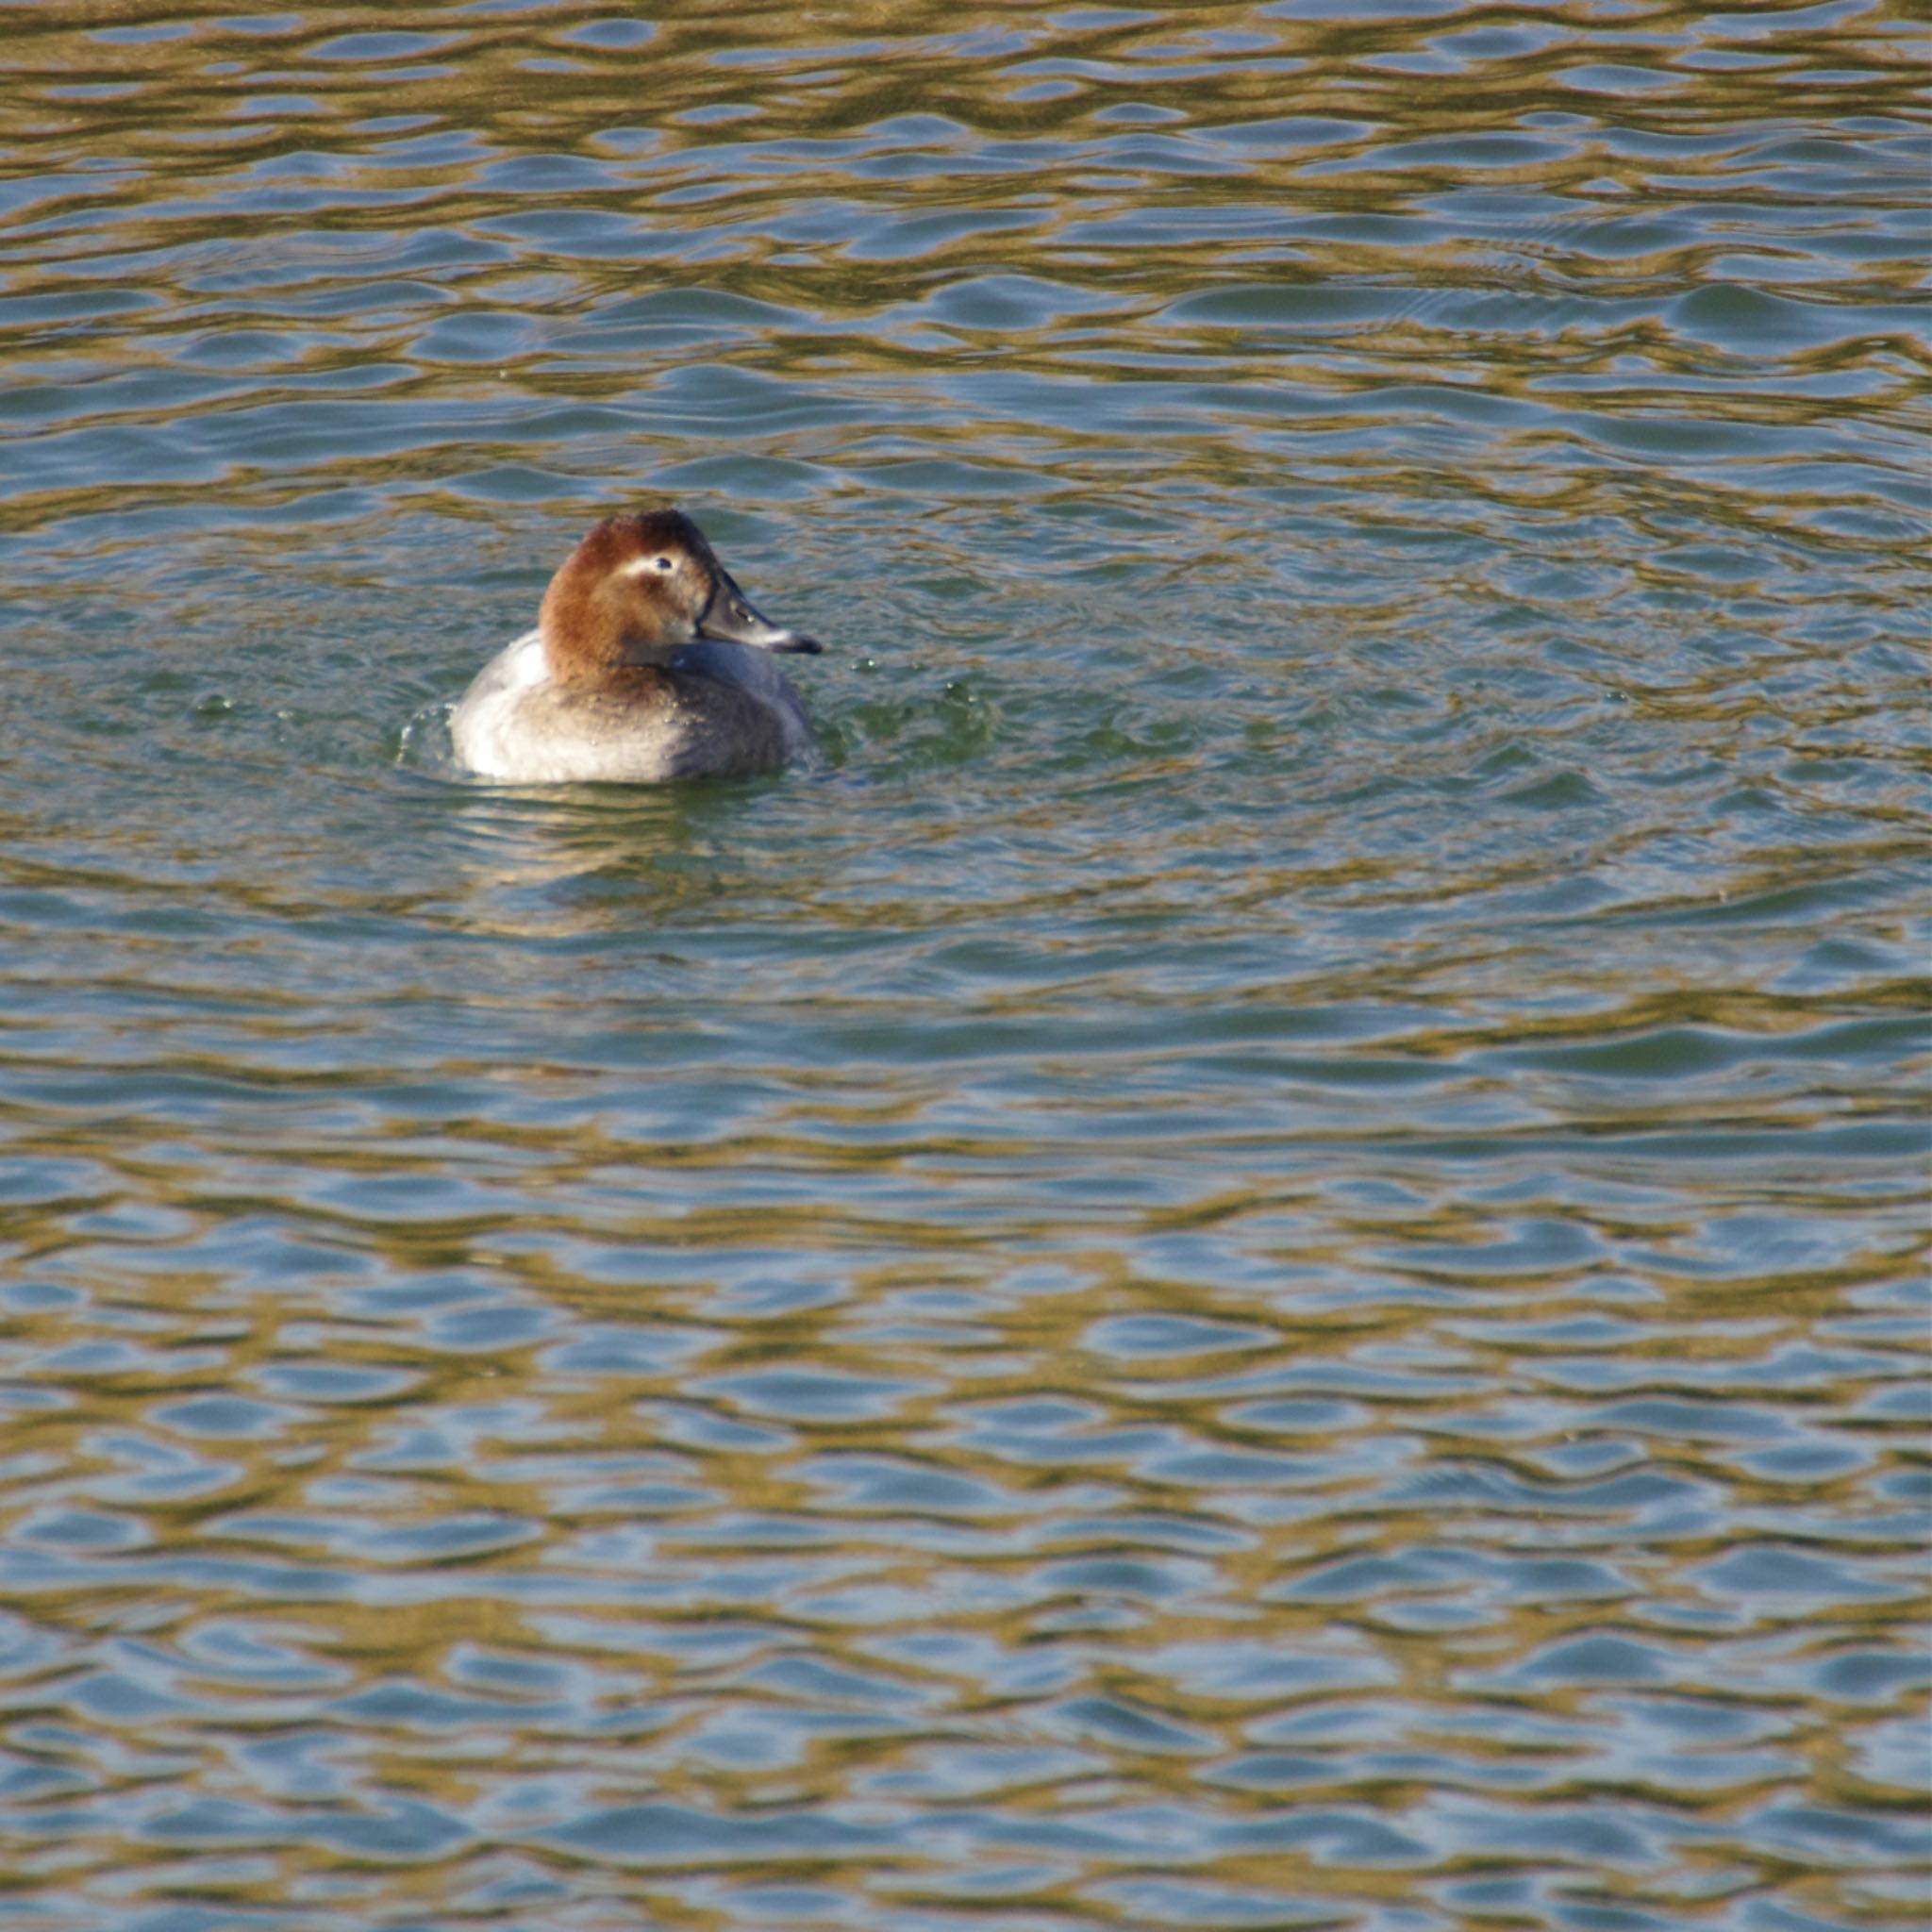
1255,1259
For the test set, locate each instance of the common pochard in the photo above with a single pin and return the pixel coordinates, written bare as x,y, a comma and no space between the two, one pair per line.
648,662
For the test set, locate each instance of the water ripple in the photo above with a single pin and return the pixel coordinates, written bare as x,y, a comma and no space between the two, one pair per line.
1257,1258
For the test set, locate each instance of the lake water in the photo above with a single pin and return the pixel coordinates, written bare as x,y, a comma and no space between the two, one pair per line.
1256,1259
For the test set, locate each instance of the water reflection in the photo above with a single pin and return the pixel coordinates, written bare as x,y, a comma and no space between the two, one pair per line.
1258,1260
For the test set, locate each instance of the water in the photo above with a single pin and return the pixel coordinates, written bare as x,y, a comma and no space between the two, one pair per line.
1258,1259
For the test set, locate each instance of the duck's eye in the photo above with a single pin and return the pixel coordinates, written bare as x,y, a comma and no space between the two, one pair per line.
663,563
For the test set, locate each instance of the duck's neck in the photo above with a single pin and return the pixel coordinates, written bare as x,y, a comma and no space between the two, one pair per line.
588,642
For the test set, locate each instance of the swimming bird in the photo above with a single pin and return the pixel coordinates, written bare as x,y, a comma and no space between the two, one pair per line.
648,662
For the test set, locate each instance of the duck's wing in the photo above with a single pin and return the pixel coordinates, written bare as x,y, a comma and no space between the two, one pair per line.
756,673
476,724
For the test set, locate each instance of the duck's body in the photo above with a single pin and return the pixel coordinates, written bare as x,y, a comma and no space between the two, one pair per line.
647,663
717,709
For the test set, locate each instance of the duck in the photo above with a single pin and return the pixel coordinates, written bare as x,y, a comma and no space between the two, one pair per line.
647,663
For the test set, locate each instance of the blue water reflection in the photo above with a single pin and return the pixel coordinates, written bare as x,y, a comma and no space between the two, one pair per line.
1254,1258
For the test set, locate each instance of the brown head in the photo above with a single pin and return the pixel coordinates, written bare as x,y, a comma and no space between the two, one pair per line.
637,589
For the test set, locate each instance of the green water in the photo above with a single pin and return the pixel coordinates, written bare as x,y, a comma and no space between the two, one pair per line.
1255,1260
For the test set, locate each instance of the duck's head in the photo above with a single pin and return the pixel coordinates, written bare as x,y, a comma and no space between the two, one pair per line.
636,591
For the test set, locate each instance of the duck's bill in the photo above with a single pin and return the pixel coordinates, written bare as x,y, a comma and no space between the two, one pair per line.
731,618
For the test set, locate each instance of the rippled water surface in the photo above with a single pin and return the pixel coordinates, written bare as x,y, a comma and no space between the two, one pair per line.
1255,1260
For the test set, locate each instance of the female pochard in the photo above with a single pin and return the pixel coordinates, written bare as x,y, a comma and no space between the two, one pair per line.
647,662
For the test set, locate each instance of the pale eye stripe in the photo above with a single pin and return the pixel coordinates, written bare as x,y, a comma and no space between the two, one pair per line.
638,566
